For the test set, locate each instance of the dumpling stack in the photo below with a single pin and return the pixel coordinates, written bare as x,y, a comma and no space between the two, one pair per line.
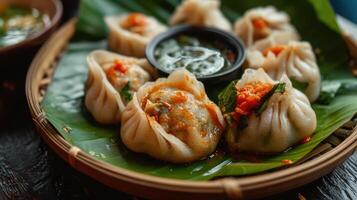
273,45
269,114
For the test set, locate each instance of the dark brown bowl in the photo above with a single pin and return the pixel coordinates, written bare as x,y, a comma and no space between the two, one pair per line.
52,8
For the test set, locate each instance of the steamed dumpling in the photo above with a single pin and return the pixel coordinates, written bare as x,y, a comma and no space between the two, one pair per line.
112,80
263,23
129,34
296,60
201,13
172,119
284,120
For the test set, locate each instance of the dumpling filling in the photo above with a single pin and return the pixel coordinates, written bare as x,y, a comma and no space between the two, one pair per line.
249,98
179,112
276,50
253,98
261,28
126,78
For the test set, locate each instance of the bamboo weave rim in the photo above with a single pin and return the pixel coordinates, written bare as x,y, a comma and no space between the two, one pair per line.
319,162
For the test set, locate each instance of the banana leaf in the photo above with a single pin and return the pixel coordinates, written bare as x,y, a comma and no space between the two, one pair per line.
64,108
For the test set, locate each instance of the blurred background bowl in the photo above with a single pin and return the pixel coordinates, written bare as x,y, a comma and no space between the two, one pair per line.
346,8
16,54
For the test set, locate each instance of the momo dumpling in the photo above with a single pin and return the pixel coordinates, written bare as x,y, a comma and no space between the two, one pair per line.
262,23
295,59
201,13
267,116
172,119
130,33
112,81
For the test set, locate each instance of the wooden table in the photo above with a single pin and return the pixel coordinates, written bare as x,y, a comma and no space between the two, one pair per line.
29,169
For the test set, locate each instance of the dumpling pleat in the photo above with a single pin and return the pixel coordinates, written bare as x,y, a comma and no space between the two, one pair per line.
200,13
286,120
296,60
102,100
152,139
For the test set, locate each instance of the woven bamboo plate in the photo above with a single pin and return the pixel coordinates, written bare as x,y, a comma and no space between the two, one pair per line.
323,159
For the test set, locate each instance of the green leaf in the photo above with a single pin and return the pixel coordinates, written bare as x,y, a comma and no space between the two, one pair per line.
329,90
63,103
227,98
325,14
125,92
278,88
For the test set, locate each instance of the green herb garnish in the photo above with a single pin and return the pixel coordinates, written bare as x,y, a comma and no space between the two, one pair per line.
125,92
227,98
278,88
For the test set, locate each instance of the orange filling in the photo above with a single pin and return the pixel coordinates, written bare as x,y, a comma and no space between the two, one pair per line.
118,67
274,49
249,98
287,162
306,139
135,19
259,23
179,97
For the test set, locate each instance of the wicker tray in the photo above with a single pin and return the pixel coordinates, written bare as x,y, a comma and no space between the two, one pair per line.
323,159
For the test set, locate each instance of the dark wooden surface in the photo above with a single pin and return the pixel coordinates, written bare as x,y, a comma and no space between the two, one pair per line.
29,169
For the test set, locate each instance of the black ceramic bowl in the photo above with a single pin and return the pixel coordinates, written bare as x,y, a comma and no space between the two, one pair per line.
209,34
